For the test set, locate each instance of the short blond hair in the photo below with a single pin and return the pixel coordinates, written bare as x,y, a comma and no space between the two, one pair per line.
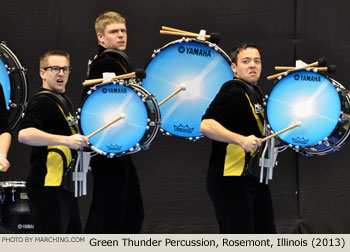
45,57
106,18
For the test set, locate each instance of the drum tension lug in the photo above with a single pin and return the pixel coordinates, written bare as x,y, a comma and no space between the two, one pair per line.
2,196
13,194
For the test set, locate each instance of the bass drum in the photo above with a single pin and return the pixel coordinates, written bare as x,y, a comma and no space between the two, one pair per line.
14,84
134,132
202,67
319,103
15,215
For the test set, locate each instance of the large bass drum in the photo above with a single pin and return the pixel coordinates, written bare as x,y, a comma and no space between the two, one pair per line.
315,100
14,83
202,67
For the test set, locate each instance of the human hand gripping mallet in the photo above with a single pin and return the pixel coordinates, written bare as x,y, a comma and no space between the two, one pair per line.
297,124
121,116
182,87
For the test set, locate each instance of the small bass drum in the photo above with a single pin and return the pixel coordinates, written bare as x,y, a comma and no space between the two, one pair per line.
315,100
131,134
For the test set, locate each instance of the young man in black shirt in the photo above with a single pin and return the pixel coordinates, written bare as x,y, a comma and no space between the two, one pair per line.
117,205
242,204
46,127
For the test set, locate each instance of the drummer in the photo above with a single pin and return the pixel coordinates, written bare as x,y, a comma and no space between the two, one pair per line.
5,134
242,204
117,205
45,127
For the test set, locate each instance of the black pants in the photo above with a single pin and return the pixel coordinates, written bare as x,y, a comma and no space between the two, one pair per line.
117,205
54,210
242,205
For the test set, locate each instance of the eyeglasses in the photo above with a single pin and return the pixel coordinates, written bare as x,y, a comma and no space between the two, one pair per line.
57,69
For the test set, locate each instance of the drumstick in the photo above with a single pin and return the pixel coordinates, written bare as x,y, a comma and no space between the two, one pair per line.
297,124
182,87
119,77
282,68
186,34
139,73
321,62
121,116
166,28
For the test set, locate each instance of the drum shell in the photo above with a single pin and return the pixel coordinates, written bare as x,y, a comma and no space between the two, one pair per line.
15,215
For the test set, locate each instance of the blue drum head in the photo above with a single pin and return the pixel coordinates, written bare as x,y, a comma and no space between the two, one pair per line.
307,97
105,104
201,68
5,82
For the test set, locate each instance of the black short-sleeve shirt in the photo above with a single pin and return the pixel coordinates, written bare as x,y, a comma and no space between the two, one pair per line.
233,109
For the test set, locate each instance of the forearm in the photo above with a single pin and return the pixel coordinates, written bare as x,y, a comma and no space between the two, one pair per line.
215,131
36,137
5,142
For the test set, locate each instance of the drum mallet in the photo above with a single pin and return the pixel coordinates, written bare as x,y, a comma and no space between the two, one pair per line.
139,73
297,124
320,62
121,116
181,88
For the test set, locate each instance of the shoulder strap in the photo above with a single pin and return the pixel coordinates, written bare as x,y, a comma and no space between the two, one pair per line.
67,107
254,93
255,96
118,55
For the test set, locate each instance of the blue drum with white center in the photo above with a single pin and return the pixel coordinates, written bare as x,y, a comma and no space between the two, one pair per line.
202,67
130,134
315,100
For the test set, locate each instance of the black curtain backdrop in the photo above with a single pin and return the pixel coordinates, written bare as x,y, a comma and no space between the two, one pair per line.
311,194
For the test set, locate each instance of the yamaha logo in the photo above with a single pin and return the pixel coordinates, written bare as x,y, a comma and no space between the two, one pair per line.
194,51
25,226
304,77
114,90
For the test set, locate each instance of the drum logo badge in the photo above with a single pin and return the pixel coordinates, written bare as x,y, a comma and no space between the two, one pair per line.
195,51
181,128
113,147
25,226
299,140
114,90
307,78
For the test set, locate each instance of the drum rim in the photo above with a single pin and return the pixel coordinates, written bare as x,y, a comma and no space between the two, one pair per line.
189,40
12,183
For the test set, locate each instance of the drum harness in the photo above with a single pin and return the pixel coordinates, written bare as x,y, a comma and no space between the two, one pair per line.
74,177
268,153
